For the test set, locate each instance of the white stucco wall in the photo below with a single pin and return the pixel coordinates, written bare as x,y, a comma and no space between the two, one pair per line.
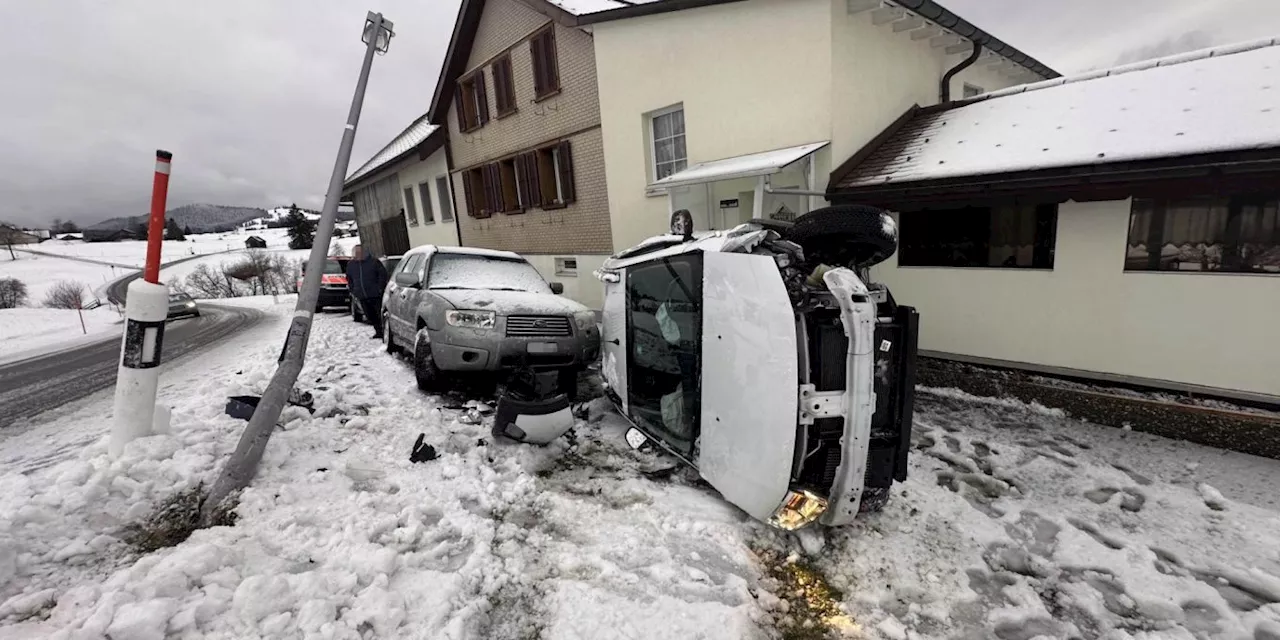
749,81
1216,330
584,287
415,172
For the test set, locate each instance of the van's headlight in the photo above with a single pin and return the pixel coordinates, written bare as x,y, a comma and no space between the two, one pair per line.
471,319
799,509
586,320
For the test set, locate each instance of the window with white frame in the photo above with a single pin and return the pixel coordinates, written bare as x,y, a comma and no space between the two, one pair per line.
666,131
567,267
410,208
446,200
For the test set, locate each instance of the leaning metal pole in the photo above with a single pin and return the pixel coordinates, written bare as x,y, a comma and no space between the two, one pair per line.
240,468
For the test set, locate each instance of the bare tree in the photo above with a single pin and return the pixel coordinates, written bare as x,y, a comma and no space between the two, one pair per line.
13,293
65,294
205,282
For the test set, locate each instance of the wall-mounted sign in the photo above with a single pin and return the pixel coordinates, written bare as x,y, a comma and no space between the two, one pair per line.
729,204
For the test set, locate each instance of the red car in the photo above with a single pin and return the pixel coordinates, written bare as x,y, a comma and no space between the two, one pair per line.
333,283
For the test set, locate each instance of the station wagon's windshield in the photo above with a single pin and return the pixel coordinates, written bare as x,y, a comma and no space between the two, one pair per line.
465,271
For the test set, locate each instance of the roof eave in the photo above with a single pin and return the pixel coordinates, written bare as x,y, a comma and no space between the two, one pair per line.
423,150
1235,169
647,9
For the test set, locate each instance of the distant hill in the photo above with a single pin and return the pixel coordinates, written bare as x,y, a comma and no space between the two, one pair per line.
202,218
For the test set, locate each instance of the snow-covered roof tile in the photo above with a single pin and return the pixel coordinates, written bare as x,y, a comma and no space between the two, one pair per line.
412,136
750,165
1217,100
585,7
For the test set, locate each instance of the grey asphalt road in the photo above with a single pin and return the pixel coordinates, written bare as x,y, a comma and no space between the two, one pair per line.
35,385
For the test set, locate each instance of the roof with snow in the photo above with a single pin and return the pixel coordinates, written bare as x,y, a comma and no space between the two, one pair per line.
406,141
1216,100
585,7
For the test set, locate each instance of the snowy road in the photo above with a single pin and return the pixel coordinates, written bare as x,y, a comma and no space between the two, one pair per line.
1017,523
56,380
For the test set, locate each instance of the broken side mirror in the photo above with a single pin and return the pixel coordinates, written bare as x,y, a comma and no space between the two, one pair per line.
557,288
636,439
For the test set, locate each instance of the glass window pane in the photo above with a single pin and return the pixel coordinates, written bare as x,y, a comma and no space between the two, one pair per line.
664,150
662,127
424,192
446,204
679,147
677,122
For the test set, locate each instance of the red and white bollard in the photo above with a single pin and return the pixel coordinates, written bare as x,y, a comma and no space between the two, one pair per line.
146,307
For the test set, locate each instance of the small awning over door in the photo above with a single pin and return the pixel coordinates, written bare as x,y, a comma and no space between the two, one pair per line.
751,165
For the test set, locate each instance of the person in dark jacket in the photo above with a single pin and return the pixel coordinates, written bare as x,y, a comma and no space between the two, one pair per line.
367,279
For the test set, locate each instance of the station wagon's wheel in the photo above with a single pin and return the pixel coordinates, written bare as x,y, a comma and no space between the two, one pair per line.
387,340
855,236
424,366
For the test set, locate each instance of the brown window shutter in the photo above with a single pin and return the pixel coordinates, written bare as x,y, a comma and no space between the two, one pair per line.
566,172
531,176
482,97
536,58
466,192
499,94
553,66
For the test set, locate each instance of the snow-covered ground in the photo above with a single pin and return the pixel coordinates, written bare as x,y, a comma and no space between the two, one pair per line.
25,332
40,273
1017,523
134,252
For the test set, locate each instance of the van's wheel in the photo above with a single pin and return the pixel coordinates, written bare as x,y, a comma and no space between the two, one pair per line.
387,339
855,236
873,499
424,366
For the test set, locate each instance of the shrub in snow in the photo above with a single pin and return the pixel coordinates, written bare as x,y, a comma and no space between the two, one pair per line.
13,293
66,294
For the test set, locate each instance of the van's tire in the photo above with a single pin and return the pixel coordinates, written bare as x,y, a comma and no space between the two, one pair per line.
424,366
780,226
854,236
873,499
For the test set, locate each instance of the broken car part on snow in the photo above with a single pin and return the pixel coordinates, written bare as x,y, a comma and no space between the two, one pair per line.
699,332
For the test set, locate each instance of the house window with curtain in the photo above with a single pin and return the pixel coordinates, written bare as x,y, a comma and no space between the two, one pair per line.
410,209
1224,234
446,200
428,216
1011,237
666,130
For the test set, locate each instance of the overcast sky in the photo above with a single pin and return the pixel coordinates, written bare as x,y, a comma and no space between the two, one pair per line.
251,95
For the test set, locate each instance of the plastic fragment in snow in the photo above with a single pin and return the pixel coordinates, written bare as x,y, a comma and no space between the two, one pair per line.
422,452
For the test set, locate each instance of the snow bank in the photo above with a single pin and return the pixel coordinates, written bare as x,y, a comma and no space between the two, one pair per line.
27,332
41,272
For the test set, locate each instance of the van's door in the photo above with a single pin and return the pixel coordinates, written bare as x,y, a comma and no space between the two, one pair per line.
613,363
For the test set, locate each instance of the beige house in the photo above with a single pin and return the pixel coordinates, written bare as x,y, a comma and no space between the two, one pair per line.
402,196
517,96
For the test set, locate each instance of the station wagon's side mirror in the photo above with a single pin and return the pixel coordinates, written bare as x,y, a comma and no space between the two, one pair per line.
557,288
407,279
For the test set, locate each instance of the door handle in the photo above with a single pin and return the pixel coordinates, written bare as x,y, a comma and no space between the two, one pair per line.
616,342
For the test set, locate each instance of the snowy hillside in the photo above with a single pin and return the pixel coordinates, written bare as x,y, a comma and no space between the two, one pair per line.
202,218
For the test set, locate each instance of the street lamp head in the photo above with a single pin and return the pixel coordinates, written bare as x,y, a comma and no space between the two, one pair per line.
384,31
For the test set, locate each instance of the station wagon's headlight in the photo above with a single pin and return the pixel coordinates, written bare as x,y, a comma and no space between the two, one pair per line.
470,319
586,320
191,304
798,510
